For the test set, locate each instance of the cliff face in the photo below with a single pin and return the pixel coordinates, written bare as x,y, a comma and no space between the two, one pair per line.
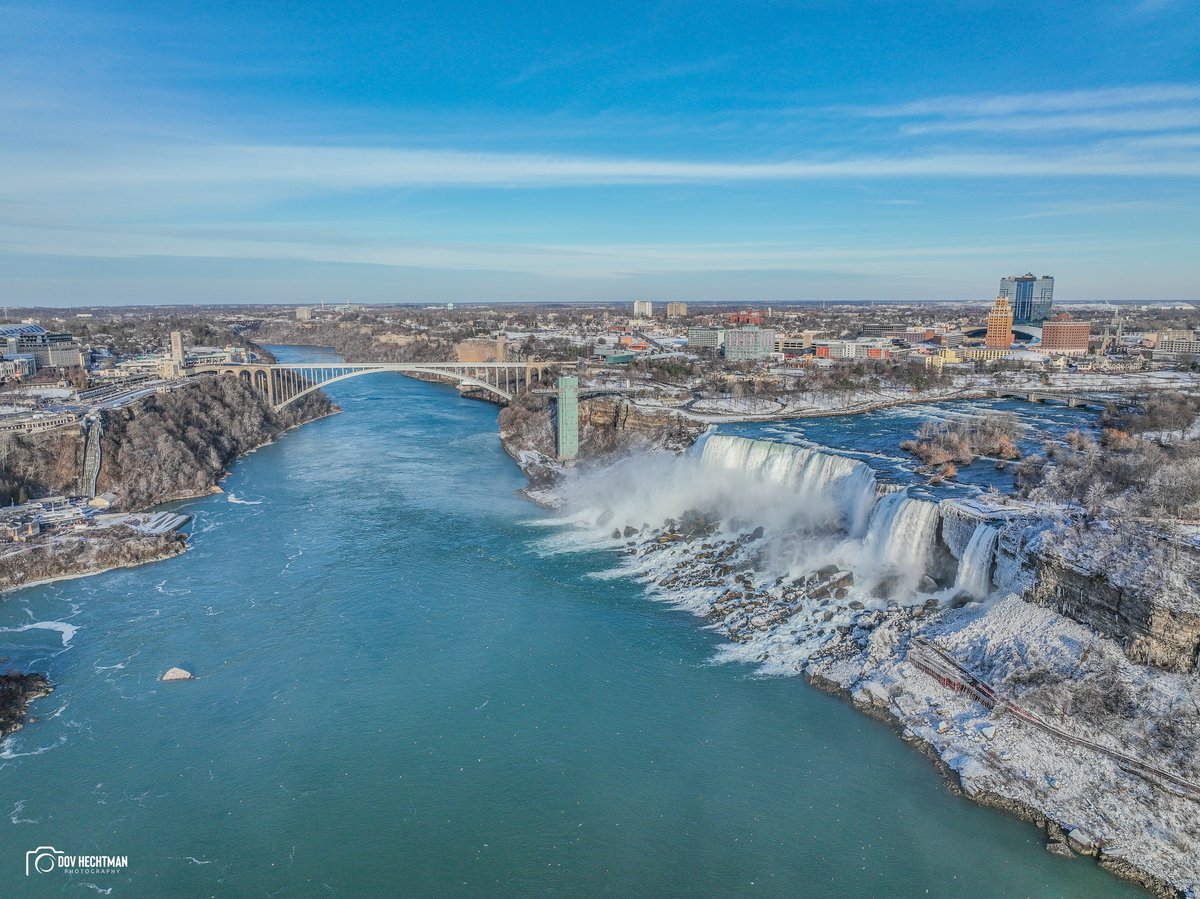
1140,589
1154,617
179,444
164,447
33,465
607,427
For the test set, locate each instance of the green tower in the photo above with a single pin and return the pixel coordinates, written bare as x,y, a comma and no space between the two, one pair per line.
568,418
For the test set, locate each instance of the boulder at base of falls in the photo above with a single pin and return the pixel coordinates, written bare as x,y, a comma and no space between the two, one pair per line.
1081,841
1060,849
177,674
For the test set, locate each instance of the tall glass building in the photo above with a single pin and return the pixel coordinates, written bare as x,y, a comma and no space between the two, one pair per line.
1030,297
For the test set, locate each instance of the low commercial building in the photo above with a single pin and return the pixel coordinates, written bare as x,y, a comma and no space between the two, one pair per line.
936,361
1176,349
834,349
19,523
22,365
38,421
984,353
795,344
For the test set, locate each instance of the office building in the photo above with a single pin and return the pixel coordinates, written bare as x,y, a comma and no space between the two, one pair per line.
676,310
1029,296
706,341
999,325
643,309
887,329
749,344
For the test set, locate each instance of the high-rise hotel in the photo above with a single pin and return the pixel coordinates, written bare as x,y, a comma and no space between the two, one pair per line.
999,325
1029,296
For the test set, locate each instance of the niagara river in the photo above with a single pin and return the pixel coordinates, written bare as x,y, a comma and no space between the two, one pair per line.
405,686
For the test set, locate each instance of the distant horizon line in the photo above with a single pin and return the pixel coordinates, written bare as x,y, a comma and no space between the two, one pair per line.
427,304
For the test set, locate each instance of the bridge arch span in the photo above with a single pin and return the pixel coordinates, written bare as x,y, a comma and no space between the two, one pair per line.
445,375
283,384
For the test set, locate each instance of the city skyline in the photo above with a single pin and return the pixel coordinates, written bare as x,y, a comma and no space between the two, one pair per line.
772,152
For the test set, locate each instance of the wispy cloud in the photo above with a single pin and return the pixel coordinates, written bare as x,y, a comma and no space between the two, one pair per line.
581,260
167,170
1037,102
1112,121
1150,7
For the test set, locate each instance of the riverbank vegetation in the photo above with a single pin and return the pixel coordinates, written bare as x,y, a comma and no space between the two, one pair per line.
1117,477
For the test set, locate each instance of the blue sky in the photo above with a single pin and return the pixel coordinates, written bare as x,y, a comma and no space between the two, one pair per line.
297,152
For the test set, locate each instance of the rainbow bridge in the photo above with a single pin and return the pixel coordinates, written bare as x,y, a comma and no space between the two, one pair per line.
284,383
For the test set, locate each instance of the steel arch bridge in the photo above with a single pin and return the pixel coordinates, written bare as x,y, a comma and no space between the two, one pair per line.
285,383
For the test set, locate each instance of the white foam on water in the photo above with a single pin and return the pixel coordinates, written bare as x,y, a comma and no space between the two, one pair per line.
67,631
238,501
8,749
17,809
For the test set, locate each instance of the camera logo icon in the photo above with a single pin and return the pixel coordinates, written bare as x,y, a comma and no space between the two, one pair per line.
43,860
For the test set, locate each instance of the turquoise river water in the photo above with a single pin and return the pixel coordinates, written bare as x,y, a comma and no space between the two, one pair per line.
399,694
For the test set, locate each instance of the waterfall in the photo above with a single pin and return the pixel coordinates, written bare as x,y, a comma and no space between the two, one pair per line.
882,518
910,533
849,484
975,567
